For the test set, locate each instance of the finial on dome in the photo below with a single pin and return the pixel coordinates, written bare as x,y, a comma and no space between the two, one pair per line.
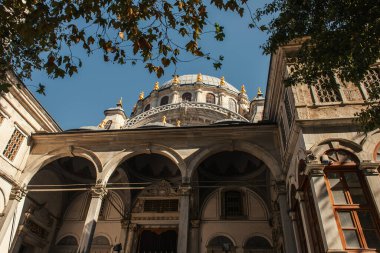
120,103
178,123
199,77
222,81
141,96
175,79
156,86
164,119
259,93
242,90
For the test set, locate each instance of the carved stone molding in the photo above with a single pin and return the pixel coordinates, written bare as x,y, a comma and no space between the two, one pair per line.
280,187
98,191
161,189
142,116
369,168
314,169
17,193
195,223
300,196
184,190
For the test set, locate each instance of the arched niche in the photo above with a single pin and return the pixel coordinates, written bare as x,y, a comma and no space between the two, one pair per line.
220,244
47,199
257,244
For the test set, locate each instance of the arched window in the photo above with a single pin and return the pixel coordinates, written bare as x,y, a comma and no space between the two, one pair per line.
354,214
186,96
147,107
164,100
100,244
257,244
210,98
377,152
233,204
68,241
232,104
220,244
108,124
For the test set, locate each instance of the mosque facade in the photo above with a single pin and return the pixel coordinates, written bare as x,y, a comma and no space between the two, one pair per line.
196,167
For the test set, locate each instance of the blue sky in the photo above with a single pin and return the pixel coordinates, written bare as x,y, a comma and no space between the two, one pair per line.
80,100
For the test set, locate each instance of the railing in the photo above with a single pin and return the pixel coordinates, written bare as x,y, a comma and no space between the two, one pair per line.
142,116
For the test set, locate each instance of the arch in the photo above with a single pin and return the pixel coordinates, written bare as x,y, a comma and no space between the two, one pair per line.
187,96
111,165
108,124
259,237
335,143
213,236
67,151
164,100
210,98
3,201
249,148
101,239
231,187
69,237
147,107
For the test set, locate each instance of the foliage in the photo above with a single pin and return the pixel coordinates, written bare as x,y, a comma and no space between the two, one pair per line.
340,40
42,34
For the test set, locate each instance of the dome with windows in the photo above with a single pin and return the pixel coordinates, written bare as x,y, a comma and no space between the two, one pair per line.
187,100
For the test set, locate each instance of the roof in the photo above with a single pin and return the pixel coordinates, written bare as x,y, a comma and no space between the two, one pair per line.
208,80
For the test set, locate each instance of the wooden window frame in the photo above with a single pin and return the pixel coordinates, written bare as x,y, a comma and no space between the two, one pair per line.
351,206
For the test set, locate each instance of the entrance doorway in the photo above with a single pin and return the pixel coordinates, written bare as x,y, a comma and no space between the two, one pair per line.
158,241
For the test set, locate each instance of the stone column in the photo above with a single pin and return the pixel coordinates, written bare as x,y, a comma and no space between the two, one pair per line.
9,223
198,95
194,245
287,232
124,234
325,214
371,175
183,226
131,238
175,97
305,221
97,194
292,216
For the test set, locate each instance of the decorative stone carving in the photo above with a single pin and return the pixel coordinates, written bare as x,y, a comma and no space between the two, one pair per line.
98,191
369,168
142,116
161,189
17,193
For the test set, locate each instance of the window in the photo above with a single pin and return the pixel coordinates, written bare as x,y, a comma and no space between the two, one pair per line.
161,205
186,96
210,98
377,152
372,80
220,244
147,107
288,109
359,228
324,94
164,100
232,105
257,244
233,204
13,145
108,125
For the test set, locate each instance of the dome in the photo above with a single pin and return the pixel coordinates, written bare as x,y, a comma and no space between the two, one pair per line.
207,80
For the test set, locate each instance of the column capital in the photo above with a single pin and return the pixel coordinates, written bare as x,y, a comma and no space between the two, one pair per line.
300,196
195,223
369,168
18,193
280,187
98,191
184,189
292,215
314,169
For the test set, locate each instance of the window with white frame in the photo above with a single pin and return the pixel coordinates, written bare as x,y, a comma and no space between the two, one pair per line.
13,145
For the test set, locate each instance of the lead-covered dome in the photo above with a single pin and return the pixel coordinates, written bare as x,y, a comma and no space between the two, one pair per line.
206,80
